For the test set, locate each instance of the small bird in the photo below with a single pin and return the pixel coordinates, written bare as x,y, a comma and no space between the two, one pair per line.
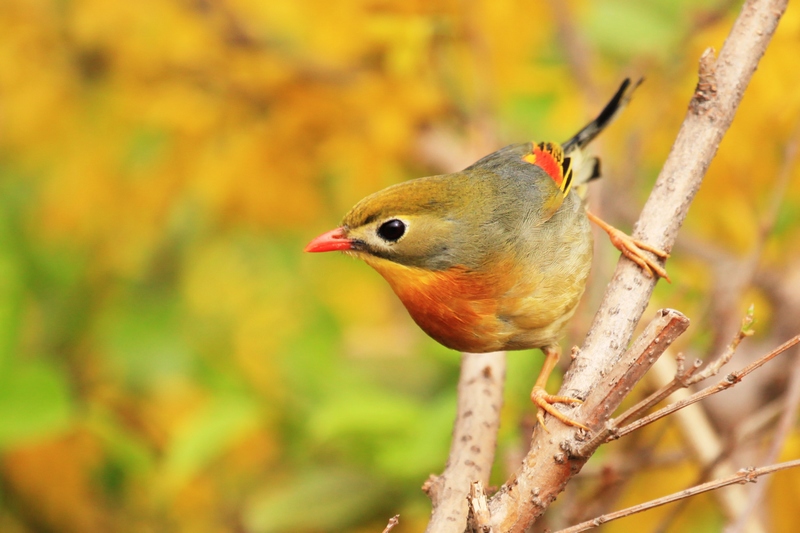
494,257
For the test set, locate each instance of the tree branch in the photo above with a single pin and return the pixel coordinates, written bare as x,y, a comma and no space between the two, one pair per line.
393,521
787,421
684,377
745,475
551,461
730,380
480,397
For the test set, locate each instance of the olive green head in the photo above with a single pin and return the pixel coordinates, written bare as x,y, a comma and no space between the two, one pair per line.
416,223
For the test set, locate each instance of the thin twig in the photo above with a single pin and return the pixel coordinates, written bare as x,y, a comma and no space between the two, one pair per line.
393,521
787,420
706,446
715,365
682,375
729,381
657,337
688,376
745,475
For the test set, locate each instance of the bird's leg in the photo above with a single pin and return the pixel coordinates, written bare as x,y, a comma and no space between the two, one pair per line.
545,401
632,248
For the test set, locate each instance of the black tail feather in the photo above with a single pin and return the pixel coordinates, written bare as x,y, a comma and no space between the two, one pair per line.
591,130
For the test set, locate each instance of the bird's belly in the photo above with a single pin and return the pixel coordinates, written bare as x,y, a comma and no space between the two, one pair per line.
487,325
478,313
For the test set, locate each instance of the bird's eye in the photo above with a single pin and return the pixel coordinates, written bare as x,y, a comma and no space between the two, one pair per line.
392,230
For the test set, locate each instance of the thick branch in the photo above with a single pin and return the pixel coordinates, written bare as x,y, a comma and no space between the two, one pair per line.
551,463
480,397
644,351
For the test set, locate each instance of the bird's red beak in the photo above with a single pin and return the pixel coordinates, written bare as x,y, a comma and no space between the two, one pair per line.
329,242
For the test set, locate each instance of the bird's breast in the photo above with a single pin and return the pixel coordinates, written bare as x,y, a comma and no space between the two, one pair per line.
473,311
457,307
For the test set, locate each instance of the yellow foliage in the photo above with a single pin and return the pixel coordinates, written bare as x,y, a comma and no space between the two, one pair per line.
162,164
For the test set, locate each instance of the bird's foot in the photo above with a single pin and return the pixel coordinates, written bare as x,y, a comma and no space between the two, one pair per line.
634,249
545,401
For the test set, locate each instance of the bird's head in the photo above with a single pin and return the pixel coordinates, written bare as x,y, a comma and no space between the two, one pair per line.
418,223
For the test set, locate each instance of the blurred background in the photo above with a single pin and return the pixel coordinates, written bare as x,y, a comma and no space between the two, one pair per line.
170,360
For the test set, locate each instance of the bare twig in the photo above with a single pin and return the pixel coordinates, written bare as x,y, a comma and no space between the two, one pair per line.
393,521
709,450
688,376
787,420
552,461
480,397
656,337
745,475
730,380
682,375
715,365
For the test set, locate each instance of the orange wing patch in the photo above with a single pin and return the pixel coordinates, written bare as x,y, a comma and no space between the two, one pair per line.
550,158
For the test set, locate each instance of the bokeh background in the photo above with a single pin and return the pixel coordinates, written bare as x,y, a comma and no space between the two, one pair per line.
170,360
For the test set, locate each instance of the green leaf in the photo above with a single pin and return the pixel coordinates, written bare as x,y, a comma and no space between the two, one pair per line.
209,434
363,412
323,500
528,112
34,402
12,287
631,28
141,335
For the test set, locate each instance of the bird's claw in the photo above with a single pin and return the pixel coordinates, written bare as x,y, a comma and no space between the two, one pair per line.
634,250
545,401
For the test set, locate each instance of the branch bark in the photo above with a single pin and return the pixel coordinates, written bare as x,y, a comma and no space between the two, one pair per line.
552,461
480,398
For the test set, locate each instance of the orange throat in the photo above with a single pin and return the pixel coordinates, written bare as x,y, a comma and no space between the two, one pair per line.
456,307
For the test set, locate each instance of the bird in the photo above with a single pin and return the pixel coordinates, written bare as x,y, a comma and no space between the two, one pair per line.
496,256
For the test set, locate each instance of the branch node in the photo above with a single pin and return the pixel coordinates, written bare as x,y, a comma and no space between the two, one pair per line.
431,487
479,515
576,351
747,322
393,521
706,91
